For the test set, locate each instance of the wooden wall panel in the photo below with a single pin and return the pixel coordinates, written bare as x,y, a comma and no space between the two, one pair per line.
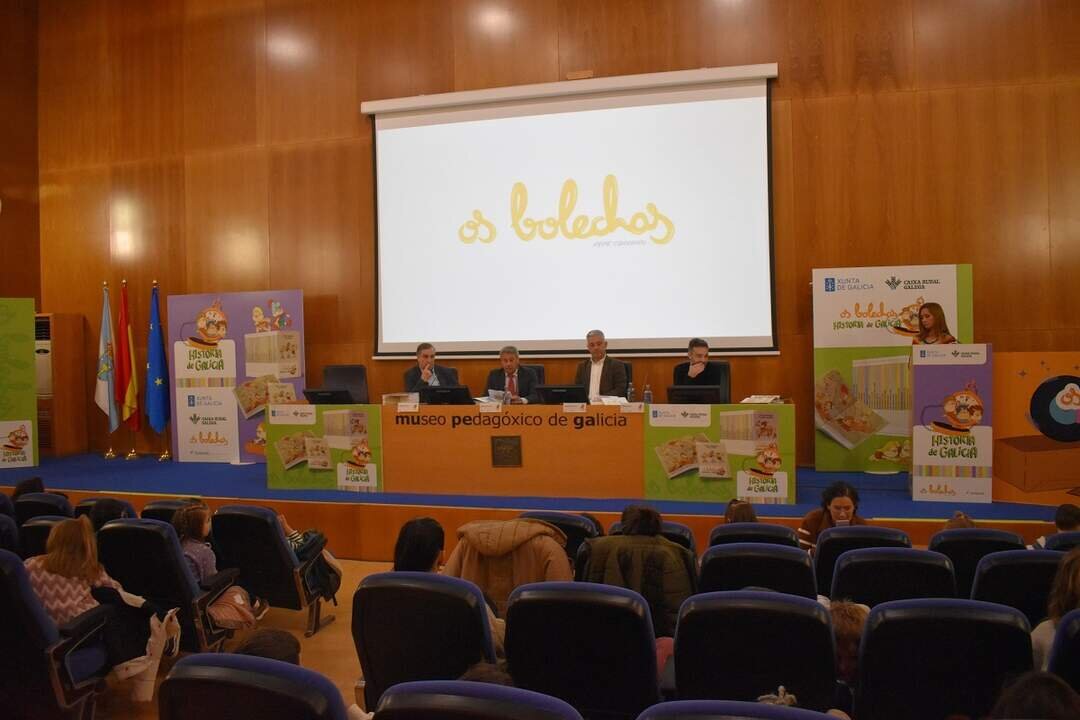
982,197
845,46
505,42
311,69
224,66
1063,156
716,34
225,227
405,48
969,42
622,37
1063,46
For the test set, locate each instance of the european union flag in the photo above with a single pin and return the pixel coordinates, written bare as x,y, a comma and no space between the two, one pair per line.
157,370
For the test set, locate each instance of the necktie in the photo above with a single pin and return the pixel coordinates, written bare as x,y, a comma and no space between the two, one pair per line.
511,385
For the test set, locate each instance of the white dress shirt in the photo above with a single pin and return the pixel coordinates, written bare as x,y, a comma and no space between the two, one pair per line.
594,378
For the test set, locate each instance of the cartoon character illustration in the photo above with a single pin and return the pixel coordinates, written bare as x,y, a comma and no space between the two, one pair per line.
17,439
962,409
261,322
211,324
908,319
360,455
768,460
260,434
279,320
893,451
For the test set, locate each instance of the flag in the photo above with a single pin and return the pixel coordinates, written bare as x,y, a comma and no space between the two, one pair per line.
127,382
157,371
103,390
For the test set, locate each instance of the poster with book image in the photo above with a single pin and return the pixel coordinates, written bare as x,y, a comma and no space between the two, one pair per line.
324,447
232,355
18,386
952,433
713,453
866,321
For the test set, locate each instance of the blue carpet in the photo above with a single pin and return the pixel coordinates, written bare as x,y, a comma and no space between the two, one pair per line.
882,496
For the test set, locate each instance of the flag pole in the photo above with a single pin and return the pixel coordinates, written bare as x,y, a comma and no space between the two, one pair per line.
131,454
109,454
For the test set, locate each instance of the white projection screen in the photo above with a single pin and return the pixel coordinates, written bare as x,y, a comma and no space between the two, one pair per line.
530,215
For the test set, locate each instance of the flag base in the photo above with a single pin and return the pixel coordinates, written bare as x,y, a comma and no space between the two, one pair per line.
165,456
109,454
131,454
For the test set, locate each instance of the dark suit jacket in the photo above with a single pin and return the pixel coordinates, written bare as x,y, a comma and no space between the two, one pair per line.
715,373
446,375
612,378
526,383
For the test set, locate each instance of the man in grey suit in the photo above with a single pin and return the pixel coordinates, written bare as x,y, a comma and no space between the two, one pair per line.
520,381
426,373
600,374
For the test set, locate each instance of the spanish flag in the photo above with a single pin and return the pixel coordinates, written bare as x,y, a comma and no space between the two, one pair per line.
127,383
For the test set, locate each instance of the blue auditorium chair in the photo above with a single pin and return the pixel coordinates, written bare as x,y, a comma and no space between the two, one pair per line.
463,700
744,644
163,510
34,534
1065,652
46,671
577,528
9,535
417,626
756,532
676,532
740,565
34,504
1063,541
1018,578
591,645
967,546
6,506
872,576
221,686
834,541
726,710
86,505
932,658
145,557
250,538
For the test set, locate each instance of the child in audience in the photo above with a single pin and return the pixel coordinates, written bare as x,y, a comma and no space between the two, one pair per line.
69,580
1037,695
325,571
739,511
491,673
959,520
273,644
29,485
419,548
1066,519
1064,596
848,621
234,608
105,510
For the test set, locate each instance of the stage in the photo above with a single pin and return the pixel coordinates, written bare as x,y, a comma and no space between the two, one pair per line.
363,525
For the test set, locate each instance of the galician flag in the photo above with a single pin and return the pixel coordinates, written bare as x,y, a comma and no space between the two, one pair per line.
103,390
127,379
157,371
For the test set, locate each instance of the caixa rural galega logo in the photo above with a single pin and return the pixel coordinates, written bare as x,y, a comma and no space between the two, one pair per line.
893,282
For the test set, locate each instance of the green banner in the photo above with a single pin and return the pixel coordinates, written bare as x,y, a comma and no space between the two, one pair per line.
18,393
324,447
713,453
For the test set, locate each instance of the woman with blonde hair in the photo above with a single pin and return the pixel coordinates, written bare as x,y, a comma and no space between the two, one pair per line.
69,580
933,330
1064,597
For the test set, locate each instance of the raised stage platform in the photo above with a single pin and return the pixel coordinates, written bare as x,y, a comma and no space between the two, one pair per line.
363,526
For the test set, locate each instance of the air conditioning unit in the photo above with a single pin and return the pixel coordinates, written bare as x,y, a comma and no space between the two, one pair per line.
59,354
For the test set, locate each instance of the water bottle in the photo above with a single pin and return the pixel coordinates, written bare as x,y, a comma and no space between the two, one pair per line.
630,391
646,395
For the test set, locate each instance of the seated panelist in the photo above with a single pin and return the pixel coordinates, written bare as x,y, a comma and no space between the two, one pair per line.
519,381
427,373
698,371
600,374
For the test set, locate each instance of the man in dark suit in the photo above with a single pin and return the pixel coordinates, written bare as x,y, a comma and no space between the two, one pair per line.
519,381
699,371
600,374
426,373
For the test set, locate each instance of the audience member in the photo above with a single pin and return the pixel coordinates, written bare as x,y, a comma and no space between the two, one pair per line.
1037,695
839,506
69,580
739,511
273,644
1066,519
234,609
491,673
500,555
419,548
325,571
29,485
105,510
959,521
848,621
1064,597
